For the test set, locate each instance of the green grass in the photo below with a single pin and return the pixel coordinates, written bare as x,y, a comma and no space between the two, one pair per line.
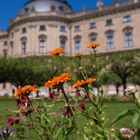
112,109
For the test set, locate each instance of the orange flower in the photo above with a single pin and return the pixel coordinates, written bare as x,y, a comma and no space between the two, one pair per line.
83,82
26,90
57,80
93,45
57,51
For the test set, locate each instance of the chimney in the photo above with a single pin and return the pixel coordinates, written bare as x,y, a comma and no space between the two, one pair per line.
99,4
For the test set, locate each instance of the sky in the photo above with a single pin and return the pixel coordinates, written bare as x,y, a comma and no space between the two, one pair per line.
9,8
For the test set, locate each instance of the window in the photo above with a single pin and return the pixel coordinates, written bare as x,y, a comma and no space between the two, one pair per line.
12,47
23,48
5,51
62,28
24,30
128,39
77,28
93,39
63,40
92,25
26,10
23,45
109,22
5,43
77,46
127,19
42,44
62,44
52,8
42,28
61,9
110,41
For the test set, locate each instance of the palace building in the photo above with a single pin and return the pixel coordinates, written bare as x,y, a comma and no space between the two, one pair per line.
44,25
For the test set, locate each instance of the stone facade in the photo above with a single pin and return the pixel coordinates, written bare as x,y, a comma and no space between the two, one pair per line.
115,26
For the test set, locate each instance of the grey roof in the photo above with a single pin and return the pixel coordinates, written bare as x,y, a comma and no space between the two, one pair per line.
59,6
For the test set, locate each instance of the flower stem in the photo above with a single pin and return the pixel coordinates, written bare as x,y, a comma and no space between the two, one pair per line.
67,100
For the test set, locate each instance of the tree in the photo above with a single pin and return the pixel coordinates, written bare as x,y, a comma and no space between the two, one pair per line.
121,65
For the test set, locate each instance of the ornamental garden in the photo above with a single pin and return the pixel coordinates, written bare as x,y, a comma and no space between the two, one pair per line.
79,113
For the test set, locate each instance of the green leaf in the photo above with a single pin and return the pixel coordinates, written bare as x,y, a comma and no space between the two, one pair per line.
123,114
136,120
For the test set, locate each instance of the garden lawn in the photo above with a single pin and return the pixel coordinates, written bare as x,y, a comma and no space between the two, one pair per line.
112,109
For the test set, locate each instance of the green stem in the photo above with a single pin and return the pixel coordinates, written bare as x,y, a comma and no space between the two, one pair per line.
39,115
67,100
97,111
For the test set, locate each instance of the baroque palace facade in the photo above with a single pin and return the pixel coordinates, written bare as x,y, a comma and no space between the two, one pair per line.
44,25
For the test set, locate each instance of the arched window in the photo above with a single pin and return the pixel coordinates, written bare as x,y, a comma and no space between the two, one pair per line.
23,45
128,33
63,40
42,44
110,38
93,37
77,40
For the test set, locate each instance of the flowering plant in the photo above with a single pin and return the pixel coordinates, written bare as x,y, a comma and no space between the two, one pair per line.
135,113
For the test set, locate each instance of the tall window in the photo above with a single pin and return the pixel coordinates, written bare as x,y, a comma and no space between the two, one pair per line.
63,44
63,40
128,30
92,38
12,47
42,44
77,40
110,38
110,41
77,46
128,39
23,46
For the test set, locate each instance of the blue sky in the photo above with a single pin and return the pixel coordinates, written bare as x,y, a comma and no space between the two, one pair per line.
9,8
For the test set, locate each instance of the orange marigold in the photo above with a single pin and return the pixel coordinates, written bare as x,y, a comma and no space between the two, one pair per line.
93,45
57,51
26,90
83,82
58,79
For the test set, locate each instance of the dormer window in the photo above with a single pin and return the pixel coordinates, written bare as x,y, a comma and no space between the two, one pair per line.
61,9
53,8
26,10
